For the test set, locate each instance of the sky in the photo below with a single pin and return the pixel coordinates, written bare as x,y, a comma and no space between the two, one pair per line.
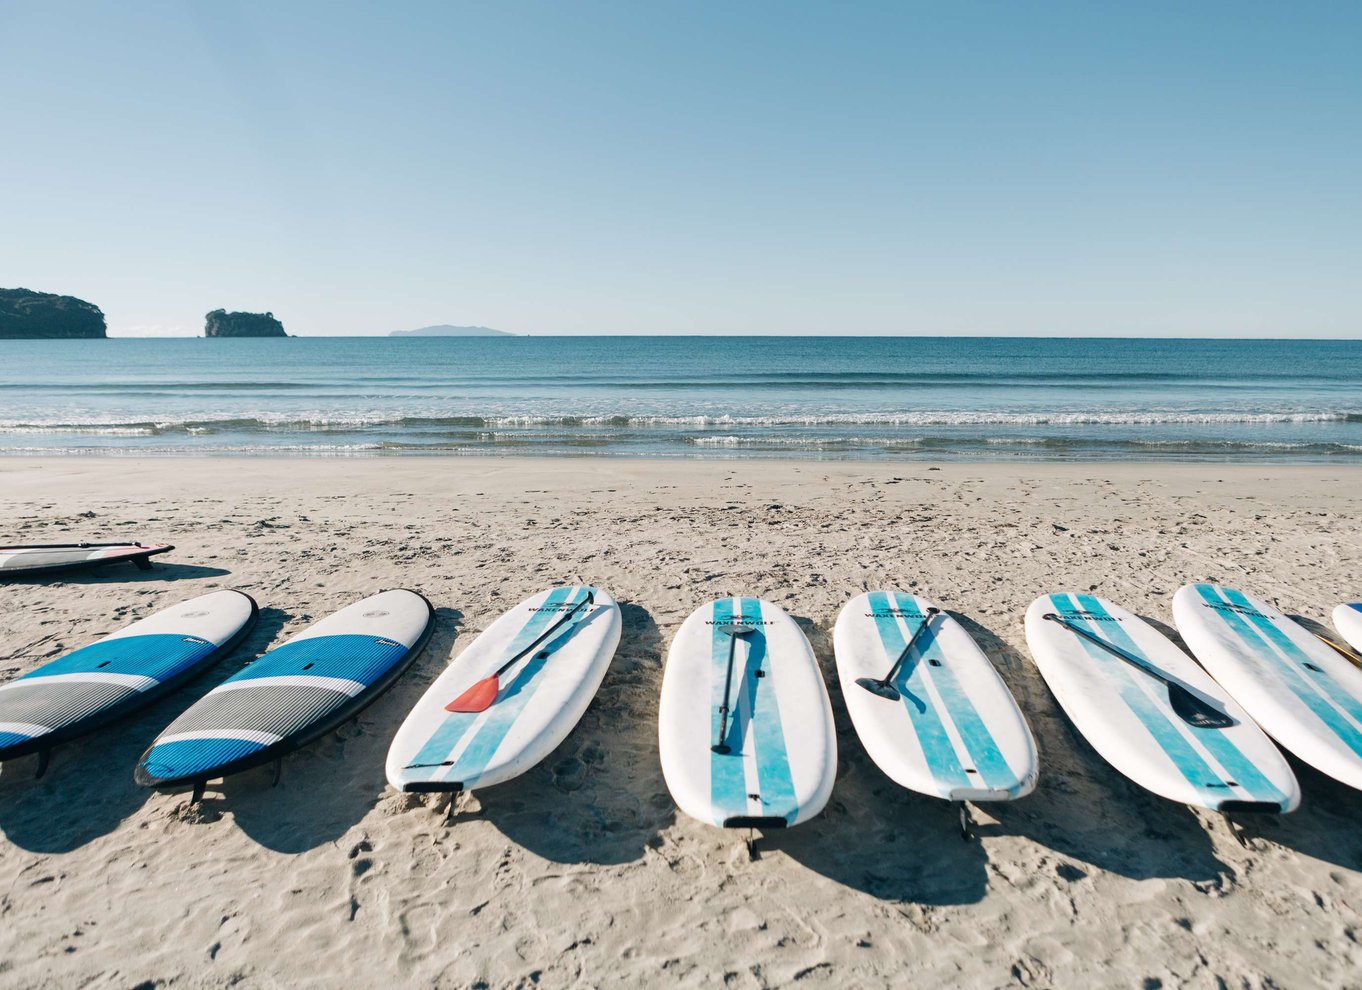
1163,169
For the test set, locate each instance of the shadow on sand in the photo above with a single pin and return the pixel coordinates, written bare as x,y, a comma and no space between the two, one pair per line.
88,791
599,797
906,846
121,574
329,785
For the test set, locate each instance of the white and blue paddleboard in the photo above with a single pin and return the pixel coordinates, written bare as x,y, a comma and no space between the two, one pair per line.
539,701
96,684
1348,622
52,558
293,694
764,755
1129,717
947,726
1304,694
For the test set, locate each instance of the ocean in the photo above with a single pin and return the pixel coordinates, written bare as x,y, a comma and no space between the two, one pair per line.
908,398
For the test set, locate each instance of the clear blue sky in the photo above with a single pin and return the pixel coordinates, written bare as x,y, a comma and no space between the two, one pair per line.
981,168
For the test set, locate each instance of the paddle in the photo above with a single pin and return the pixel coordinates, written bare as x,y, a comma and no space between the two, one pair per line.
480,696
883,688
1187,706
733,630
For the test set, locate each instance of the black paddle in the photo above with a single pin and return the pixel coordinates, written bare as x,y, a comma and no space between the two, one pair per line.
1187,706
480,696
884,688
734,630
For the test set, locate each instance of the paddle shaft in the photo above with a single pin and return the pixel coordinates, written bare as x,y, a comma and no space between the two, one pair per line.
728,685
1116,651
588,600
931,612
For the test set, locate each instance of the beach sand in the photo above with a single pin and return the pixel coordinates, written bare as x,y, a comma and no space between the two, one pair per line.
582,872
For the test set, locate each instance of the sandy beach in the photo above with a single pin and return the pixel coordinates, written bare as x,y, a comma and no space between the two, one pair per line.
582,872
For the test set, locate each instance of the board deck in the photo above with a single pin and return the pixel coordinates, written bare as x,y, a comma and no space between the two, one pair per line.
1303,693
955,731
108,679
539,702
294,693
782,753
1126,715
55,558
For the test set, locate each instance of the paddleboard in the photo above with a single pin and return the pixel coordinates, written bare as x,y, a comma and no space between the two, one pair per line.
106,680
1348,622
777,753
1132,721
1299,690
293,694
947,726
570,634
53,558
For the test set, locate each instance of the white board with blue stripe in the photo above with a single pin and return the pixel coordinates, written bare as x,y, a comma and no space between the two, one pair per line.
1127,716
781,753
954,731
1304,694
1348,622
538,703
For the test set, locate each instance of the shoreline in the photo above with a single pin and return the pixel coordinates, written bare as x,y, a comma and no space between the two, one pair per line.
583,869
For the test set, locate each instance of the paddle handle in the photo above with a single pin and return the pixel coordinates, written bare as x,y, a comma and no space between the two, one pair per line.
588,600
931,613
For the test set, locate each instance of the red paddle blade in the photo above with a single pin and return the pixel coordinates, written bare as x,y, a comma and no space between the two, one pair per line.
478,698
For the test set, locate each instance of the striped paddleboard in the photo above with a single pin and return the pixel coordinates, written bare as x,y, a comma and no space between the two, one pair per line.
954,731
781,754
96,684
1304,694
539,702
1127,716
56,557
293,694
1348,622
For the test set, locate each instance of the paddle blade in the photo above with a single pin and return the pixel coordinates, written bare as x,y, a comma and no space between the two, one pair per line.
1195,712
478,698
878,688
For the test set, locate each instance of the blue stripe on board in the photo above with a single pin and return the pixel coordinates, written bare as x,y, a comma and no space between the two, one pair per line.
456,724
987,758
775,782
727,781
1242,770
511,701
155,655
185,757
1307,693
352,657
10,738
1156,721
942,761
1355,606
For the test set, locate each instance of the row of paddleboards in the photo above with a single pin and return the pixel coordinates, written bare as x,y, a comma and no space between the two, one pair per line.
745,725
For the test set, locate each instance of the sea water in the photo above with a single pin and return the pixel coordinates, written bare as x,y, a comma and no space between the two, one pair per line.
845,397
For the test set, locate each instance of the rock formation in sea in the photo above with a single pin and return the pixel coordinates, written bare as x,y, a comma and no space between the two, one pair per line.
25,314
220,323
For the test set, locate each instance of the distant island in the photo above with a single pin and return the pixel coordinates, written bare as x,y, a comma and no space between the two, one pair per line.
445,330
29,315
220,323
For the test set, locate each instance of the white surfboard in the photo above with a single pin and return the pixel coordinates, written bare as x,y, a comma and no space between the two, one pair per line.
1303,694
539,701
1131,719
947,726
1348,622
763,755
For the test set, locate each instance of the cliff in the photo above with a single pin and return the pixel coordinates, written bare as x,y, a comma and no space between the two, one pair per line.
25,314
220,323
